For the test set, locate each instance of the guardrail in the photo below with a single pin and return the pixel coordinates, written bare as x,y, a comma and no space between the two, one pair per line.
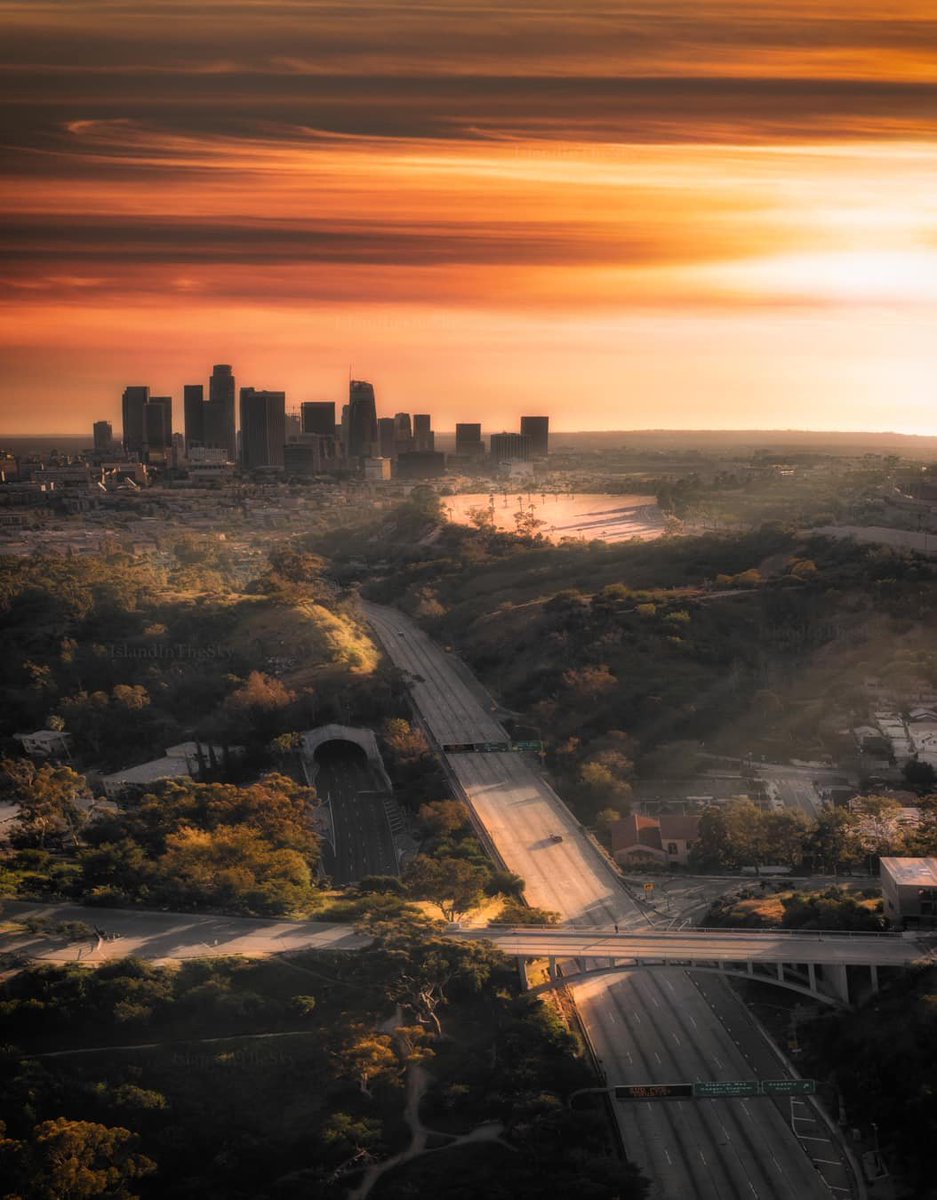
697,933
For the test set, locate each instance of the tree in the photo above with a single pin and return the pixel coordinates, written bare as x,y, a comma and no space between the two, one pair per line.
49,799
515,913
407,745
452,884
367,1057
71,1160
444,817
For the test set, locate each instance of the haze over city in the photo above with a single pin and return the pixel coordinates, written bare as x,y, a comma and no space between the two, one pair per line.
680,215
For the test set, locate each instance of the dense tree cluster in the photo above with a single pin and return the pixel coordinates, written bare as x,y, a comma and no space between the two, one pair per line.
742,834
207,846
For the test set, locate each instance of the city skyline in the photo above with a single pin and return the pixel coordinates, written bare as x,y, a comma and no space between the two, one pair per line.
696,215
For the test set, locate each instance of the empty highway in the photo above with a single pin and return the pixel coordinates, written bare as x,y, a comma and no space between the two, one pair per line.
643,1027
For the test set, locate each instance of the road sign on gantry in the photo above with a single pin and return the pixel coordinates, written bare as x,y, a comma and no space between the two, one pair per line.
716,1089
789,1087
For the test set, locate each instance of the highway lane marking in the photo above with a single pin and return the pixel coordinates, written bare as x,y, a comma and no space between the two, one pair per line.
657,1056
677,1039
827,1162
806,1138
669,1159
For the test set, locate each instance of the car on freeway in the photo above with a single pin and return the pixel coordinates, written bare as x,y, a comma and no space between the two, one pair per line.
556,837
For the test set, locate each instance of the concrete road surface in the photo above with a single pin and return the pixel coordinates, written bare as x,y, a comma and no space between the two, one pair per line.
157,935
364,844
882,950
635,1023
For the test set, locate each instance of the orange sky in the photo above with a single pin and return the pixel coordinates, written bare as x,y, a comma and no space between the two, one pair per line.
629,215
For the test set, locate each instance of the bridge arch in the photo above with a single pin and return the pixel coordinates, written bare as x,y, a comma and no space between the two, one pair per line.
733,972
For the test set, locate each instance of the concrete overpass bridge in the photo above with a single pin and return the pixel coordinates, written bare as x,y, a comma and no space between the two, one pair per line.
824,966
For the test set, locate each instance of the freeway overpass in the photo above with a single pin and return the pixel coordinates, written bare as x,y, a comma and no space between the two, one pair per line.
814,963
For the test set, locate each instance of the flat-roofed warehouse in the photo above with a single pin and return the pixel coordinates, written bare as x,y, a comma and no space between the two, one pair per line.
909,890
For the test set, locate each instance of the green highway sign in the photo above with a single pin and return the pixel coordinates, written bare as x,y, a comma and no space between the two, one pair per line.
788,1087
523,747
715,1089
718,1088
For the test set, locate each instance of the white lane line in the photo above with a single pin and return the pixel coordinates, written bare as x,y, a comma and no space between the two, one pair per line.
657,1056
827,1162
669,1159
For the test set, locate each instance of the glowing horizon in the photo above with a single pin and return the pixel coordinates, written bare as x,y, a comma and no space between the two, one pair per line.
717,212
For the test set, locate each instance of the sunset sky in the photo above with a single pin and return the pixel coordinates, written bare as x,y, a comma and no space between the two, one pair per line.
625,213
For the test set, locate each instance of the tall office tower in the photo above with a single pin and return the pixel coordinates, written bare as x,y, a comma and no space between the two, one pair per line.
318,416
134,431
293,426
538,430
342,429
193,404
403,433
103,437
362,420
468,441
385,437
510,445
219,424
423,436
263,428
158,425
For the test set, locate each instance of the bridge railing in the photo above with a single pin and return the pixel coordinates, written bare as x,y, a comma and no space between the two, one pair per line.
696,931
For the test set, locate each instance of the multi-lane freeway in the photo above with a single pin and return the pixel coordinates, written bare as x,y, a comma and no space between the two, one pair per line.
362,842
643,1026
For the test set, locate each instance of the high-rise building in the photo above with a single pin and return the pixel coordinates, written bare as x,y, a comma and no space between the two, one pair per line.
403,433
423,436
193,405
103,437
538,430
385,437
158,425
362,420
263,428
318,416
293,426
510,445
420,464
218,415
468,440
133,403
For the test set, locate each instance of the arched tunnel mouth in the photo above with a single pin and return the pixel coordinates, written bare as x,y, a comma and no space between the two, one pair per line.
339,752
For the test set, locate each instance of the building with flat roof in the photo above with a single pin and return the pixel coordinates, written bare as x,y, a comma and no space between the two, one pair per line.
133,406
909,890
420,464
103,433
468,440
538,430
510,445
263,428
318,416
424,439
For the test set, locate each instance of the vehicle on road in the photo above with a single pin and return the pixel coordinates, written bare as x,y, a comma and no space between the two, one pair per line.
556,837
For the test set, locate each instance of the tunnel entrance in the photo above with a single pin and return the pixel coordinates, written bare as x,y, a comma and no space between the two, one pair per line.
362,842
